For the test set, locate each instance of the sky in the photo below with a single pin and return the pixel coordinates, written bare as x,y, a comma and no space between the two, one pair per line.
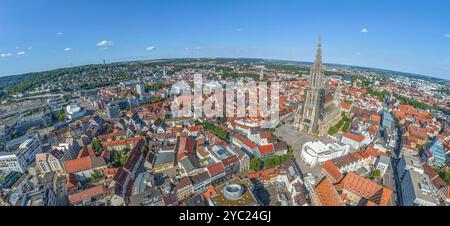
408,36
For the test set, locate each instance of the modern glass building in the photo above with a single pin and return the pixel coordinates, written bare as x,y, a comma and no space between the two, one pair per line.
434,153
388,120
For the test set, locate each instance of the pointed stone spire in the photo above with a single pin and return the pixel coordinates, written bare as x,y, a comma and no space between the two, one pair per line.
316,69
318,60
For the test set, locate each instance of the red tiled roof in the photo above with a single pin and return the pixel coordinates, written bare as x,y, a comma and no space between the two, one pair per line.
354,137
113,135
83,164
236,124
346,106
216,169
373,130
186,147
438,182
134,156
365,188
78,165
327,195
85,152
211,192
406,108
110,171
72,182
376,118
429,171
371,151
230,161
448,191
418,132
332,171
86,194
263,175
106,154
195,128
122,142
245,141
266,149
265,134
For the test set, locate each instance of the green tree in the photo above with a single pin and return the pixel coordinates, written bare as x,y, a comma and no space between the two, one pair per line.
124,151
97,146
277,160
376,173
61,116
123,160
255,164
346,126
269,163
218,131
445,175
333,131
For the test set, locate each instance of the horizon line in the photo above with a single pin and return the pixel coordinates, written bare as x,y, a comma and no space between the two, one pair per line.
229,58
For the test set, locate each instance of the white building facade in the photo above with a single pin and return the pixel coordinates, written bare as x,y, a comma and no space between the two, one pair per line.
315,153
19,160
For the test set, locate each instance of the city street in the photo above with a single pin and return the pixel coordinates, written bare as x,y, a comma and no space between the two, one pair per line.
395,157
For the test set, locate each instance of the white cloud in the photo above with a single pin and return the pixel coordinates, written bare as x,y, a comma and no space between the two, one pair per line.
30,48
447,35
150,48
67,49
364,30
357,53
4,55
59,33
21,53
105,44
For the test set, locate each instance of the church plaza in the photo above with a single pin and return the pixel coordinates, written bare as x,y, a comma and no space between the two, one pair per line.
295,138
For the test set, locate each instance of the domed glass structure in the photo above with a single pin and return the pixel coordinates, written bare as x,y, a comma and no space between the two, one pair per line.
233,191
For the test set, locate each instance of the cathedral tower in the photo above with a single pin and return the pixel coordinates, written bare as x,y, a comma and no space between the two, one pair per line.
313,116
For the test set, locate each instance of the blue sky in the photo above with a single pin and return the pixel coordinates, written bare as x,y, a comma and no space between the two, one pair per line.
410,36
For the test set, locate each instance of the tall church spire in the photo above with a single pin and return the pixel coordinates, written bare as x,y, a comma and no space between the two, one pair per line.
316,70
318,60
312,116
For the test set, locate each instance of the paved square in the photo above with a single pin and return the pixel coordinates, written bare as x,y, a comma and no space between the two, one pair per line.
289,134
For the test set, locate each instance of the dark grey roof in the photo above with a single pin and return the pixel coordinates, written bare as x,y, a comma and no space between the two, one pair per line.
344,160
197,200
187,164
164,158
199,178
255,130
280,146
147,198
98,162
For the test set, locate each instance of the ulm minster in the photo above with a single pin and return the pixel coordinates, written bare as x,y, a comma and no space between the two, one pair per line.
321,108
